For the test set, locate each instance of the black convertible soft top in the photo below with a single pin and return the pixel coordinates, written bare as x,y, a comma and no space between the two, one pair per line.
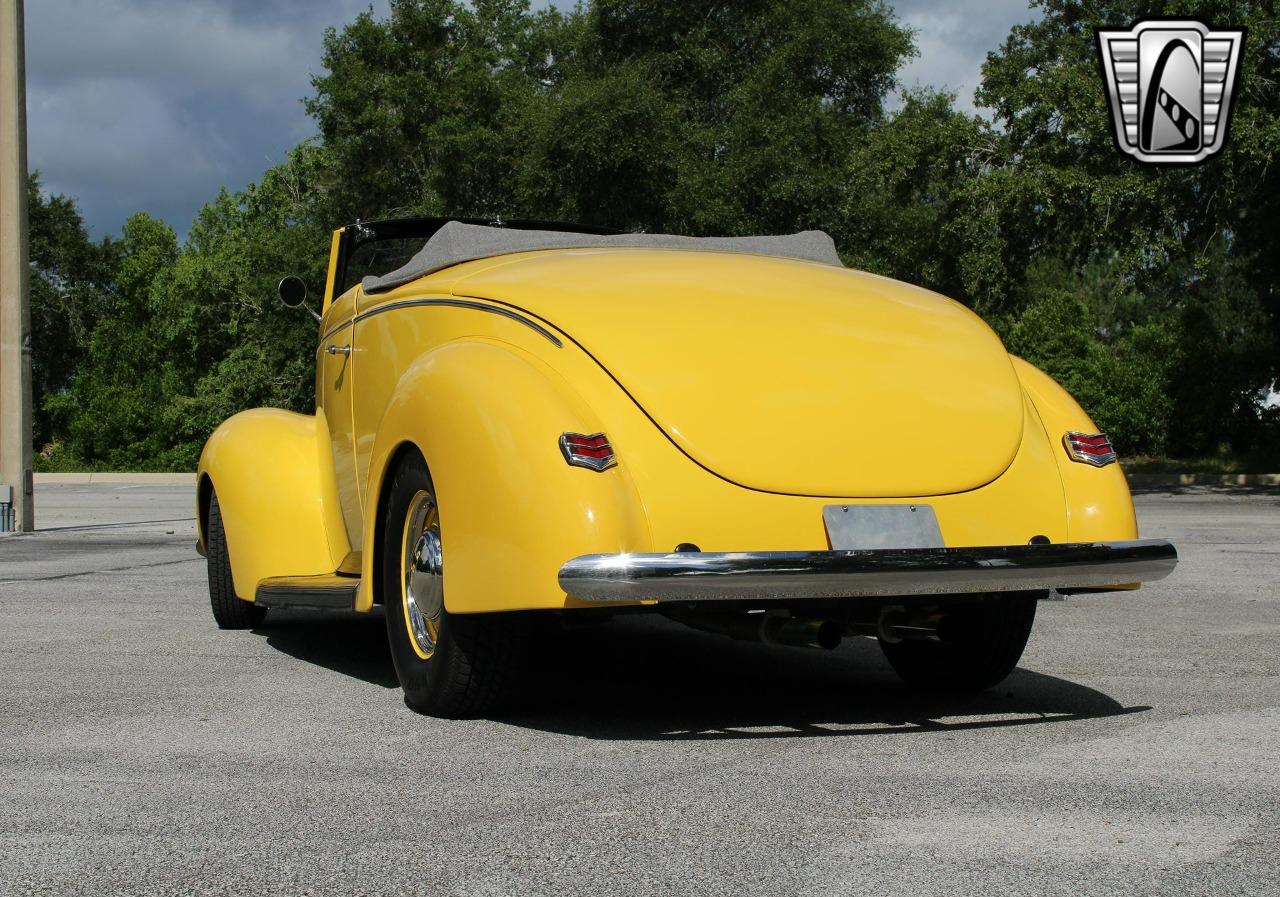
458,241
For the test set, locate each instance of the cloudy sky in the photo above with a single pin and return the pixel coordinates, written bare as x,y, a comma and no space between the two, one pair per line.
152,105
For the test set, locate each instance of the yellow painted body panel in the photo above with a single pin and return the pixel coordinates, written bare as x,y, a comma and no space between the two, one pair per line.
487,417
335,390
273,474
484,398
1098,503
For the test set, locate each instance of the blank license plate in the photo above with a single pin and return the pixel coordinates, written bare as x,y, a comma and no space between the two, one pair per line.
852,527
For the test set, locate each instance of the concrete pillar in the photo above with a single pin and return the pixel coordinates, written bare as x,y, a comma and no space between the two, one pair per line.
15,314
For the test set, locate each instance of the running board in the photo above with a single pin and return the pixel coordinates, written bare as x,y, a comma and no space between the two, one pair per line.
328,592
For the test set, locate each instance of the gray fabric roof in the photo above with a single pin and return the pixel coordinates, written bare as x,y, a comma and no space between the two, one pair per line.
457,242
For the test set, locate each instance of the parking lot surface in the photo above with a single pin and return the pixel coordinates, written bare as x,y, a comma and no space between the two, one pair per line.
142,751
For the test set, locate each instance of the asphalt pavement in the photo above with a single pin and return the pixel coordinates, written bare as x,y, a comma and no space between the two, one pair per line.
142,751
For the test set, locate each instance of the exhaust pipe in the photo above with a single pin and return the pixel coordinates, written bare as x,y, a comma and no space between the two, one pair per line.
802,633
770,627
897,624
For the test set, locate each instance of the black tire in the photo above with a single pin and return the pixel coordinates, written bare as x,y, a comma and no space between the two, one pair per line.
981,651
229,610
476,656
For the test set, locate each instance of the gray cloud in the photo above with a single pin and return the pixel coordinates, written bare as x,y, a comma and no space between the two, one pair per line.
145,105
953,40
153,105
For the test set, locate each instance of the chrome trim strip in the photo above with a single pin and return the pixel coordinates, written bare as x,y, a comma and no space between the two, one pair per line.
347,323
462,303
452,303
898,572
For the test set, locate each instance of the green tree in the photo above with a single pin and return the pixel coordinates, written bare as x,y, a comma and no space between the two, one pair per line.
70,278
708,117
190,335
1059,191
110,410
905,189
699,117
1077,324
237,345
412,110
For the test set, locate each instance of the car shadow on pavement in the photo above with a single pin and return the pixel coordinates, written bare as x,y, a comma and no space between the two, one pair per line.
646,679
352,644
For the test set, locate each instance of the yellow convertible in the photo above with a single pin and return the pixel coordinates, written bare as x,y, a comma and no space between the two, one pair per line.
738,433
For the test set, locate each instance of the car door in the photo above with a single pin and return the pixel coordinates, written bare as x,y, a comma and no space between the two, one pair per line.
335,382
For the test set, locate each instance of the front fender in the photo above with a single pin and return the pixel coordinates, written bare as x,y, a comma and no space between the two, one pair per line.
487,417
273,474
1099,506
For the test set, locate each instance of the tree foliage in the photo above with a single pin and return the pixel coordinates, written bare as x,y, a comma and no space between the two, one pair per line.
70,277
186,336
1189,296
1150,293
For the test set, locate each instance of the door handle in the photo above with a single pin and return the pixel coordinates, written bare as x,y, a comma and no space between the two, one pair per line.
339,350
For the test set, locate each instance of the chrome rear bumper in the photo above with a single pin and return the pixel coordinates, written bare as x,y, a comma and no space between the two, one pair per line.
790,575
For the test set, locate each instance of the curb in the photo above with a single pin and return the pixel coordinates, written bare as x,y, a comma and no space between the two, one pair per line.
1203,479
87,479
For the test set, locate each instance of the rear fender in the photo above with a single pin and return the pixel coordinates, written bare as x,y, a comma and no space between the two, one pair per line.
273,475
1099,506
487,418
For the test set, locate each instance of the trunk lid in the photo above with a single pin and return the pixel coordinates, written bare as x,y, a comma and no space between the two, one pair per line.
780,375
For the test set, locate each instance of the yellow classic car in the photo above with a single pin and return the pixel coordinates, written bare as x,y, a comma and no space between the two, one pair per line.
515,420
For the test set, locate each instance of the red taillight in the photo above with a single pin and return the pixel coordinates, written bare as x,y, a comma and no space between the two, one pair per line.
1089,448
593,451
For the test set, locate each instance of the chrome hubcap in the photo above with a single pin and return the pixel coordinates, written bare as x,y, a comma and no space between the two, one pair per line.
423,573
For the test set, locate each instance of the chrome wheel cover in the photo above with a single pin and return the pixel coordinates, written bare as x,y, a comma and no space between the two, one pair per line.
423,574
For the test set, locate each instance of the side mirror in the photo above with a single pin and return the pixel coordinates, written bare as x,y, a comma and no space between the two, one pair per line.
293,292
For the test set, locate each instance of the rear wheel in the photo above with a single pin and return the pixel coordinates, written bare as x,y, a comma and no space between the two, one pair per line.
229,610
452,665
981,649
